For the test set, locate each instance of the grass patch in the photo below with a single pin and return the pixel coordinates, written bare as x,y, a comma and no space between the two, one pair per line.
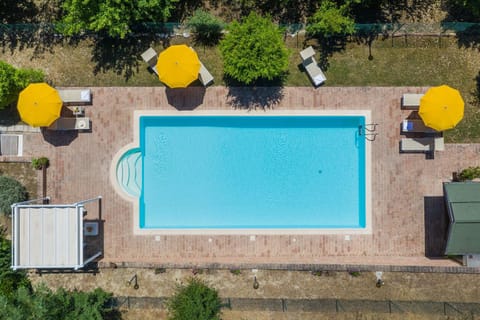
412,61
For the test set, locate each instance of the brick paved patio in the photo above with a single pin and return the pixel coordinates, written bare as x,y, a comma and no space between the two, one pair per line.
408,215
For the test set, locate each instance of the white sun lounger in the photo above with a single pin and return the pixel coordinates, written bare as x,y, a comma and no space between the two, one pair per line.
65,124
411,101
426,144
75,95
310,64
204,75
150,57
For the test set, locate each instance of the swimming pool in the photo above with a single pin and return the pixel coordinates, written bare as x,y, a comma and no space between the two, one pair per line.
248,172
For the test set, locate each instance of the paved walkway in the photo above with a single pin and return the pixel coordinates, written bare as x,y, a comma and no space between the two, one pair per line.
408,212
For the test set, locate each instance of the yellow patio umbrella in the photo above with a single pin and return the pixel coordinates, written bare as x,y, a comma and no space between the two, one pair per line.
39,105
441,108
178,66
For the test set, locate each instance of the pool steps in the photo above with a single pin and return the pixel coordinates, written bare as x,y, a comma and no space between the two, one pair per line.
129,172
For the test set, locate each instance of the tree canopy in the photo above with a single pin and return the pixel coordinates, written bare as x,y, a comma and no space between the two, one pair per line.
13,80
11,191
195,300
207,27
254,50
331,20
115,17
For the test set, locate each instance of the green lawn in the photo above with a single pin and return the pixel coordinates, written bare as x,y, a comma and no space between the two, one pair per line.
397,62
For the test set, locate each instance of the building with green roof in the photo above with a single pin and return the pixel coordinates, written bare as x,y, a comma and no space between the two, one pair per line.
463,207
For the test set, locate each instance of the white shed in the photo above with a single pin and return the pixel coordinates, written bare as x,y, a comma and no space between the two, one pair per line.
49,236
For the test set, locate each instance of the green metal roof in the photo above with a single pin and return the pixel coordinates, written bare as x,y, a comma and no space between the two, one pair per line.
463,206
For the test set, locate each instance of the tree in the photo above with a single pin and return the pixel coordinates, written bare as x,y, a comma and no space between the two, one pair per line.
254,50
207,27
11,191
115,17
471,6
10,280
43,303
12,81
194,301
330,20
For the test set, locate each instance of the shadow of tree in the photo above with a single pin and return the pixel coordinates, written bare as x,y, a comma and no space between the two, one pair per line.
374,11
457,12
368,35
327,46
469,37
119,55
185,98
184,9
285,11
476,91
9,116
436,224
18,11
252,98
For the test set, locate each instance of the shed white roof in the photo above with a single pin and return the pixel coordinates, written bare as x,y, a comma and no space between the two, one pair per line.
48,236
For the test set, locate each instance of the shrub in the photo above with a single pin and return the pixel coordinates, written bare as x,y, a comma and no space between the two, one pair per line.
12,81
469,173
112,17
194,301
254,50
206,27
330,20
10,280
11,191
40,163
43,303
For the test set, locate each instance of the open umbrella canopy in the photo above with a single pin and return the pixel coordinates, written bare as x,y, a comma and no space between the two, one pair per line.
441,108
178,66
39,105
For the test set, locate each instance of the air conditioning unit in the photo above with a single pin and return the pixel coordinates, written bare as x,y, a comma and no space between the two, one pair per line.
90,228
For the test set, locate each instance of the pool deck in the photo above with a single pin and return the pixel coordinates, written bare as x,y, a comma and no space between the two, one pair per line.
408,214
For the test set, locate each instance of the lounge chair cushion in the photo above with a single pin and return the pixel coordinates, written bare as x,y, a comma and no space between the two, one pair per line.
315,73
65,124
417,145
75,95
411,100
204,75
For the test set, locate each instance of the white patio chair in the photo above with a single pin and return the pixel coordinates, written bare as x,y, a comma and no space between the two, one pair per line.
150,57
310,64
66,124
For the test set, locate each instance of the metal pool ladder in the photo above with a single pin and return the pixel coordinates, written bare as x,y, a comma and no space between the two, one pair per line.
368,131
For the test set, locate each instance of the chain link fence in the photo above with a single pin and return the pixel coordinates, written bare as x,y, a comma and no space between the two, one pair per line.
324,306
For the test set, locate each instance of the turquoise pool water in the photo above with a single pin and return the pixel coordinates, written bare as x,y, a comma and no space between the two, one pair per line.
252,172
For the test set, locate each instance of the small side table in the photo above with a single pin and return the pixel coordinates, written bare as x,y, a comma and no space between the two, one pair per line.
78,111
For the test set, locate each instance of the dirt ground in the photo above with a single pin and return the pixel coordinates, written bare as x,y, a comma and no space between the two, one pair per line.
274,284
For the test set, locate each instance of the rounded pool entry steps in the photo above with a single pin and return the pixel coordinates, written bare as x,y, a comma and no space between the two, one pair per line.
129,172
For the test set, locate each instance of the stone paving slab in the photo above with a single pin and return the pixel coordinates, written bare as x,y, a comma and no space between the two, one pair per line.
408,212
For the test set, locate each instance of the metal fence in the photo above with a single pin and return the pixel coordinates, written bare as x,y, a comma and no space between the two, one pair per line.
327,306
173,28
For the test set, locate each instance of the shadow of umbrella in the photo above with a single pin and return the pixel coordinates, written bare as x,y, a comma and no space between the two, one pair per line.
59,138
185,98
